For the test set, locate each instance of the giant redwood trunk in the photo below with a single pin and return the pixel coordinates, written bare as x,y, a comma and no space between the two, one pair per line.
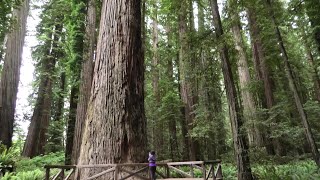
36,138
236,119
11,72
293,88
115,126
86,79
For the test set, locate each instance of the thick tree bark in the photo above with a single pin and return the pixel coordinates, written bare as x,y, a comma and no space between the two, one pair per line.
11,73
293,88
86,79
248,103
239,135
115,128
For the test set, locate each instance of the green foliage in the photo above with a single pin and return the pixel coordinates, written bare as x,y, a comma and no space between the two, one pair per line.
7,156
297,170
25,175
26,164
294,170
32,169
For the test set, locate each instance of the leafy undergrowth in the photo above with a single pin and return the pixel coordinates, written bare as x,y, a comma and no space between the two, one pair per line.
32,169
299,170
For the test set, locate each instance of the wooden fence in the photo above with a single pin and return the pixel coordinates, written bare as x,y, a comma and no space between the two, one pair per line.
207,169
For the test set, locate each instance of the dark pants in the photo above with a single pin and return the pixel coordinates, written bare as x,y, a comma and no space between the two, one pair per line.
152,172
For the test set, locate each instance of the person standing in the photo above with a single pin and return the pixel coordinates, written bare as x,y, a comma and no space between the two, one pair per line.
152,164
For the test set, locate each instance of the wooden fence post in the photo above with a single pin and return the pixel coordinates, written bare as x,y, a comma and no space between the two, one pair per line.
47,173
116,173
204,170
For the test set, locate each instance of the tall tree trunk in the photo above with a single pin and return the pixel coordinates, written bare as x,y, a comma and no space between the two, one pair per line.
11,73
158,139
262,73
36,138
249,107
185,76
239,135
71,123
115,129
77,48
86,79
172,125
56,138
293,88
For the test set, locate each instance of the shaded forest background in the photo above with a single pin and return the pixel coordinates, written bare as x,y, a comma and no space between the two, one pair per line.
236,80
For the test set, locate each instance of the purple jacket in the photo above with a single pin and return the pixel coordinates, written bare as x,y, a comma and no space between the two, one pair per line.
152,160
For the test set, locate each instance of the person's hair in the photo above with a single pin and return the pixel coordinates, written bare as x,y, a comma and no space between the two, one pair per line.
152,152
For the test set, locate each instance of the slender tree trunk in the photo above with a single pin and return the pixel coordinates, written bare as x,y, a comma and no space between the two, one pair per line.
249,106
293,88
239,135
86,79
115,129
310,57
11,73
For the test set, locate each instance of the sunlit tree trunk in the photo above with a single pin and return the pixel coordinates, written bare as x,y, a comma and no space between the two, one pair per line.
248,103
11,72
115,128
235,113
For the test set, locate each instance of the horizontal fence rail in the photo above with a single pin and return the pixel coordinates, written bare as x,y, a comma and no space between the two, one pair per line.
207,169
